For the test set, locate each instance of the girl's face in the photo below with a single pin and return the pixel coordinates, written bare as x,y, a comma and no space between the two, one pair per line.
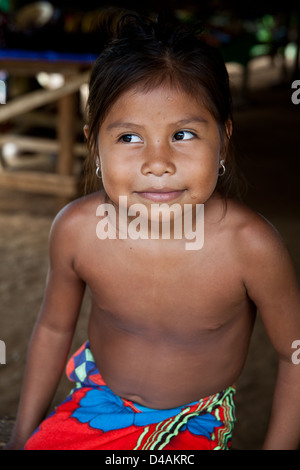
161,146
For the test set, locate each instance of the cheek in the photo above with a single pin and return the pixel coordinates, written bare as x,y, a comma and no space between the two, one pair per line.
114,166
205,161
205,181
204,178
116,176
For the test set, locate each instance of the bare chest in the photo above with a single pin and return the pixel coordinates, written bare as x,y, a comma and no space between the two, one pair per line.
176,291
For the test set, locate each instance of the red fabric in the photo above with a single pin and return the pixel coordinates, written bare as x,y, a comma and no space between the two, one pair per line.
94,418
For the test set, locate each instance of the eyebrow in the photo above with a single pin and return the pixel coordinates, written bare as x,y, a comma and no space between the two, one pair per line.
189,120
123,125
131,125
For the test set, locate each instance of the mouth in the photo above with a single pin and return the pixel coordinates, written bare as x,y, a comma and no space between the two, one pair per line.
160,194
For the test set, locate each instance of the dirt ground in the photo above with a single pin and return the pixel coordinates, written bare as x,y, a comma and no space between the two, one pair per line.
267,127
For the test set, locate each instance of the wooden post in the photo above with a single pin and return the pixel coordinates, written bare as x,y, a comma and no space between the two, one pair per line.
66,134
66,138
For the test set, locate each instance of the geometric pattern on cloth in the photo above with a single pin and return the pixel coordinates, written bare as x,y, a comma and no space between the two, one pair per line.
94,417
82,369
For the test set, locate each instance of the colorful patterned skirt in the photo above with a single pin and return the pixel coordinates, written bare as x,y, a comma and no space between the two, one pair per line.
94,418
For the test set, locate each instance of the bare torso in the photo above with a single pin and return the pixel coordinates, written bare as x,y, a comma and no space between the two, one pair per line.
167,326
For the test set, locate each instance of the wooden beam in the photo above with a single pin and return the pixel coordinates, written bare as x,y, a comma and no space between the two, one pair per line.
39,98
38,144
66,134
39,182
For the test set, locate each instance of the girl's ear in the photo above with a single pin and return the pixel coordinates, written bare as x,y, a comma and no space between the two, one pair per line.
226,138
228,128
86,131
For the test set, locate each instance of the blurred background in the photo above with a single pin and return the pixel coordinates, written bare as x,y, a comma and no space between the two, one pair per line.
46,53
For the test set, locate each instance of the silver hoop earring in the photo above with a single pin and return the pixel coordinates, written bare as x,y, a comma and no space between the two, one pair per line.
223,169
98,172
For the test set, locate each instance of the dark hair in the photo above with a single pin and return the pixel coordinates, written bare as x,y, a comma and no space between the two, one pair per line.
145,53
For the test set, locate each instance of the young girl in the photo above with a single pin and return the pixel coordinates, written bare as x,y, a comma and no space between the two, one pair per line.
169,326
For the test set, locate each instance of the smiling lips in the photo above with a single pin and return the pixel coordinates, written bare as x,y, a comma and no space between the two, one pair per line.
160,194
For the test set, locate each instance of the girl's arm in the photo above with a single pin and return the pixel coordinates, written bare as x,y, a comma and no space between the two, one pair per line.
284,425
271,283
53,333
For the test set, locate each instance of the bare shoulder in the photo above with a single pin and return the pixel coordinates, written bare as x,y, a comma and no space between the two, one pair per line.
252,232
266,265
77,213
72,221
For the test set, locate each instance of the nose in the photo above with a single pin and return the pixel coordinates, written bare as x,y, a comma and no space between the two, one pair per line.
158,161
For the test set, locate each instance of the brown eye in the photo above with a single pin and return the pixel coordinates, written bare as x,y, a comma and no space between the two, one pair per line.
126,138
184,135
130,139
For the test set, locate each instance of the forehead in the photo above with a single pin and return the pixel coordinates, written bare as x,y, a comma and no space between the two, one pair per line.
163,101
